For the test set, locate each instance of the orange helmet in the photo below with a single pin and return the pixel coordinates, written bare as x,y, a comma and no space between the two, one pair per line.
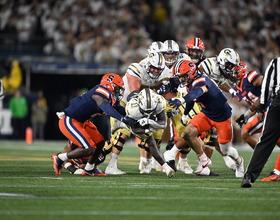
114,83
184,72
239,72
195,49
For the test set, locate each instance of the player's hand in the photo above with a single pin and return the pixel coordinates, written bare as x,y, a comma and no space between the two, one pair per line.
163,89
176,102
172,113
233,93
143,122
241,120
129,121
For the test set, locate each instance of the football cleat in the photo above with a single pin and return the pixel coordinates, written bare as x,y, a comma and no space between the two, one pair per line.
112,170
146,167
207,172
273,177
184,167
170,172
93,172
239,172
57,164
229,163
201,165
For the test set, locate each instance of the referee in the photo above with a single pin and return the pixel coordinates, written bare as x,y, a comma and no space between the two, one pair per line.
271,128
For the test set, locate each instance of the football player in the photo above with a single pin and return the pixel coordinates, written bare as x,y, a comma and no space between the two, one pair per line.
75,125
149,73
147,108
215,113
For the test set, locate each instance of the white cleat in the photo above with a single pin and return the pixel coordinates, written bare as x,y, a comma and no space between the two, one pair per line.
146,167
170,172
201,165
230,163
239,172
112,170
168,155
184,167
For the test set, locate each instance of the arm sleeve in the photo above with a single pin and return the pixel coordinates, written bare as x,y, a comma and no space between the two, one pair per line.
109,110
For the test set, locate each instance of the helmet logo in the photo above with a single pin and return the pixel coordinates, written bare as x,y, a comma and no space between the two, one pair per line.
228,53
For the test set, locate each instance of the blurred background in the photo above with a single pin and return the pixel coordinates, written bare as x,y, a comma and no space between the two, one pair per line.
53,50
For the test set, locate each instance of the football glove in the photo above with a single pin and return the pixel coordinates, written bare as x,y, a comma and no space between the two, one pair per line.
143,121
241,120
163,89
176,102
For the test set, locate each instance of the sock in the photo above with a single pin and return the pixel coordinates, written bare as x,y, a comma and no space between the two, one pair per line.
62,156
144,159
202,156
89,166
183,159
114,158
228,150
277,164
174,150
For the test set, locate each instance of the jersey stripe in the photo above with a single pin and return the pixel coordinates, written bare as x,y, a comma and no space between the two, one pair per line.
103,92
251,76
202,79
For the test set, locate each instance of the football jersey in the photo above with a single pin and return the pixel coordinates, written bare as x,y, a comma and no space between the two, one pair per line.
213,102
82,107
212,69
138,70
246,90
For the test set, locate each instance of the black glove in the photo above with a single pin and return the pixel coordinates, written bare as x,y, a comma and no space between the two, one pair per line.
241,120
129,121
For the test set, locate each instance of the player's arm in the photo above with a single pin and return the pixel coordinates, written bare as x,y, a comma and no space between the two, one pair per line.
134,82
106,107
258,81
161,122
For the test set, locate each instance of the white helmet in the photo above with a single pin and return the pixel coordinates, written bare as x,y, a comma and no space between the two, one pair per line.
170,51
147,101
227,60
156,46
155,64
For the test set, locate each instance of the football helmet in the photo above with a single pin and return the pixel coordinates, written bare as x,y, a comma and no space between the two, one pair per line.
170,51
155,64
239,72
185,72
147,101
156,46
227,60
114,83
195,49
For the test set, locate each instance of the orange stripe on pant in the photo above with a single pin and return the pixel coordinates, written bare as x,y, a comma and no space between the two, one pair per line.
81,134
203,123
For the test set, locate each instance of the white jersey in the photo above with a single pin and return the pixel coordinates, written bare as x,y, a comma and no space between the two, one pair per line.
138,70
211,68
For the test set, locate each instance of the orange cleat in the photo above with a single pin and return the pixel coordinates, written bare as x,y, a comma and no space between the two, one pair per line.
273,177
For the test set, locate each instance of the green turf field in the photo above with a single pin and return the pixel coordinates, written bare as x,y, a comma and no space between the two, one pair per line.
30,190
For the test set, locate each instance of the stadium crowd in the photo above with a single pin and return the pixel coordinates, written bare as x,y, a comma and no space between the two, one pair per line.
119,32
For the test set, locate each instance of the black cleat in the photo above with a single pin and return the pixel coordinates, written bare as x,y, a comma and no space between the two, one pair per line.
246,182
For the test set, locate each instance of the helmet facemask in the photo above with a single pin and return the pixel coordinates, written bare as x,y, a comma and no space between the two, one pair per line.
147,102
195,54
155,64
